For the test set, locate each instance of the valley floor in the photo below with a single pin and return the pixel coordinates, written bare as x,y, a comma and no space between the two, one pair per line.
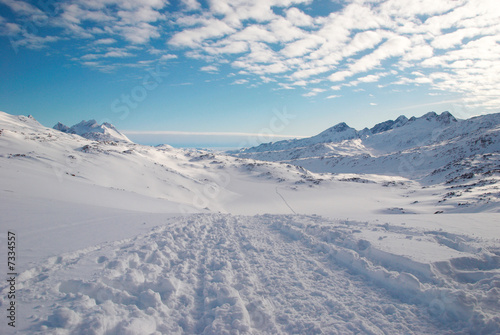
265,274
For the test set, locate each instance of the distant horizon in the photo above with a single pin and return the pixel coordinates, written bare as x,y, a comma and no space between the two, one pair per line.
222,141
222,66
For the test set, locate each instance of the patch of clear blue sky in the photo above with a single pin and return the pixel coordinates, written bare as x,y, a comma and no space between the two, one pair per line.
55,89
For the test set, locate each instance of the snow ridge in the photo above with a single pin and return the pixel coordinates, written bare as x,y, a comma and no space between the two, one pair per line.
412,148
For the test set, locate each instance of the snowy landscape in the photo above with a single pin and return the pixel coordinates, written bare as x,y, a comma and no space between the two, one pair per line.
389,230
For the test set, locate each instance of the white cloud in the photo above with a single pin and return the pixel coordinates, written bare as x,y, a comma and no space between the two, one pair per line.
302,46
395,46
140,33
455,38
285,86
23,8
410,8
285,31
306,73
333,96
117,54
34,42
267,79
261,69
226,47
89,57
235,12
112,53
167,57
210,68
340,75
10,29
299,18
191,4
261,53
240,82
139,15
254,33
105,41
371,78
363,41
193,37
314,92
419,52
300,83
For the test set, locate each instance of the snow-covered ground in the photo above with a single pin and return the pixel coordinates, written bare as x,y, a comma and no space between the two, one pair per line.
119,238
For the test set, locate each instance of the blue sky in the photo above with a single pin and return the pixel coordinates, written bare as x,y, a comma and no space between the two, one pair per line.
200,71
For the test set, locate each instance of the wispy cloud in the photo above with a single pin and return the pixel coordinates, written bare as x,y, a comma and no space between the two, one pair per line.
314,92
240,82
209,68
442,102
105,41
190,133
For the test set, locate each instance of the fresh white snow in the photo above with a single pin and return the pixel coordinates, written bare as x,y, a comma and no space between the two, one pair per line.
94,131
119,238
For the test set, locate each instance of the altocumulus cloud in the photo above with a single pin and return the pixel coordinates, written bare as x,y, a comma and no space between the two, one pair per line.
447,45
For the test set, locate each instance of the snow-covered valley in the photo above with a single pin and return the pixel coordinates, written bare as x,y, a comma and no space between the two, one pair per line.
119,238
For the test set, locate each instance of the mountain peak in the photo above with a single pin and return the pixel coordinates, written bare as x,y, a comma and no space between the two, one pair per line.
446,118
401,119
90,124
338,128
94,131
342,126
429,116
389,124
61,127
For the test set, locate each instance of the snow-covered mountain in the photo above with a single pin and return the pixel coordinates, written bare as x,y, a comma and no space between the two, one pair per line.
414,148
93,131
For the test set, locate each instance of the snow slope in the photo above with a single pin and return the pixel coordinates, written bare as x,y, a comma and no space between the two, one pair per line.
453,157
119,238
411,148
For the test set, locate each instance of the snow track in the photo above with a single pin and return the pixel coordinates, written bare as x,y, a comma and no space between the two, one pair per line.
270,274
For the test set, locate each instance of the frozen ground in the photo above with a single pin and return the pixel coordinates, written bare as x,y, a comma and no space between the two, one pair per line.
118,238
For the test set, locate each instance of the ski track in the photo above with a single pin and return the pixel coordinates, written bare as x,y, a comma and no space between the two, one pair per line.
223,274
